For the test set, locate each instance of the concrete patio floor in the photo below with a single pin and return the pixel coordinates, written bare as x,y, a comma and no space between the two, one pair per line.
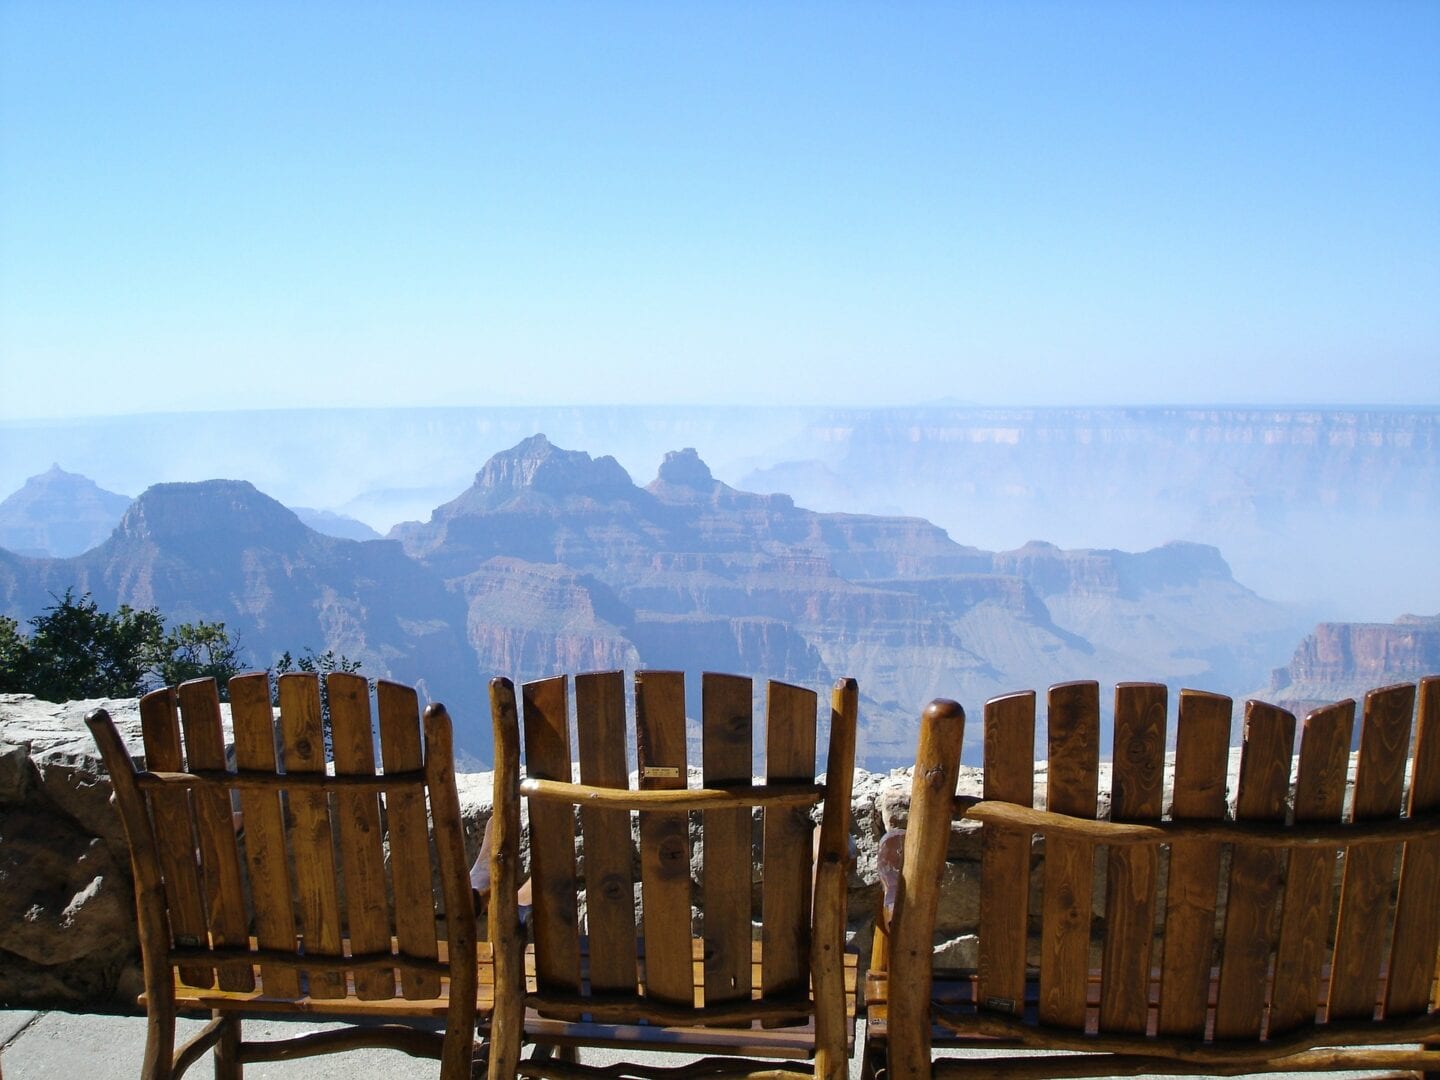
98,1046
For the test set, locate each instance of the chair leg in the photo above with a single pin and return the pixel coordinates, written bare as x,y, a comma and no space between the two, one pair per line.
227,1050
1433,1045
159,1043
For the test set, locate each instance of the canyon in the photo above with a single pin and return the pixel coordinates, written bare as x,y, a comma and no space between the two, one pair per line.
555,560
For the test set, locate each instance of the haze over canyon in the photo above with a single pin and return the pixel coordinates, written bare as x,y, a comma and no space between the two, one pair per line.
552,559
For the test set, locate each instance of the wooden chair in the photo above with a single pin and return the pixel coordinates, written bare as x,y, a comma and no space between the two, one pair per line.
595,974
1101,943
262,887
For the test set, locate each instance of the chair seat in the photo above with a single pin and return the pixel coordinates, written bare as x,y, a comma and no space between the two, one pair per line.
790,1040
953,993
195,999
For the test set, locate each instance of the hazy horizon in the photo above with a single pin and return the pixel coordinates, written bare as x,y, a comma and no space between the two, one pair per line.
1358,549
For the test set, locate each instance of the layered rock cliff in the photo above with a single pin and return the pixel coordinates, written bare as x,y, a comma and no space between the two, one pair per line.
556,561
1345,660
561,557
224,552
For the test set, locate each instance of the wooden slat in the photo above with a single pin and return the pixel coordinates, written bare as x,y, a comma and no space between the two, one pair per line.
1005,853
265,854
786,871
357,819
664,836
751,1040
312,840
175,830
1310,875
1073,722
727,725
219,859
1202,742
552,838
1255,874
609,877
410,866
1417,914
1364,922
1133,874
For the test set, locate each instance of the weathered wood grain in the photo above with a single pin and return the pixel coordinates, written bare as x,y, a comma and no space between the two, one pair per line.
927,835
266,855
1365,915
401,750
1132,875
1255,875
1073,721
1005,853
219,858
174,819
1202,743
664,836
357,824
609,878
786,844
545,717
1417,911
1310,876
728,749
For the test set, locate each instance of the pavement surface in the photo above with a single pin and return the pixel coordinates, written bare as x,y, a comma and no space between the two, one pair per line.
97,1046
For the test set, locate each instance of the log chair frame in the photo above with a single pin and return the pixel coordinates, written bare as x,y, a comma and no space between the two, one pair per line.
208,877
621,982
1270,992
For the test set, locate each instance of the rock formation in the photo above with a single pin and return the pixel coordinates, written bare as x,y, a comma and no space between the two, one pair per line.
561,557
224,552
1345,660
556,561
57,514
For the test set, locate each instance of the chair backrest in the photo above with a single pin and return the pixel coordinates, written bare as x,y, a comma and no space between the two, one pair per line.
593,956
271,844
1210,939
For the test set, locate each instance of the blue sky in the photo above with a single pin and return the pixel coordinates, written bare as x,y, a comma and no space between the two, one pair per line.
239,205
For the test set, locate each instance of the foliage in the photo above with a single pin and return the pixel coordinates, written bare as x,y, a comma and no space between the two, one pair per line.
197,651
12,654
75,650
321,664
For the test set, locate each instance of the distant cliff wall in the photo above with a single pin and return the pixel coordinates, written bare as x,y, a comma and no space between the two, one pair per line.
1346,660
